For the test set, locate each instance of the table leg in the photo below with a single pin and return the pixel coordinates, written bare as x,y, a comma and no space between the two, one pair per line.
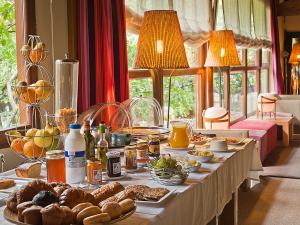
286,134
236,207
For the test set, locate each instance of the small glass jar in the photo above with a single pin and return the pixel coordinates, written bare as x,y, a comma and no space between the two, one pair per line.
113,164
94,172
56,167
142,153
130,154
154,146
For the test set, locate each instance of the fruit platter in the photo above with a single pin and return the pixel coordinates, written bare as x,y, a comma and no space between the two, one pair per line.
33,143
168,171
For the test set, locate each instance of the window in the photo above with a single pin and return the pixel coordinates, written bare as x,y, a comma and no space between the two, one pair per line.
236,95
251,92
264,80
218,88
8,62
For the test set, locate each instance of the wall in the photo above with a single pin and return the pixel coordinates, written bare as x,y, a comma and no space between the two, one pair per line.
59,47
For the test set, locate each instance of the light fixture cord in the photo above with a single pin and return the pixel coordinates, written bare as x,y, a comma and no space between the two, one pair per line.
52,49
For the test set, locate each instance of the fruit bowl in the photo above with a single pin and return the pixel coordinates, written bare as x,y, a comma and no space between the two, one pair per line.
36,93
167,171
33,143
34,52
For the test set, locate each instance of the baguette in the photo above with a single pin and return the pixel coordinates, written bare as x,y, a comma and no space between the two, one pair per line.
87,212
96,219
7,183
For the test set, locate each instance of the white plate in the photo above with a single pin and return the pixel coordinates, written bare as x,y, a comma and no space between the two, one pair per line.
190,147
238,143
171,192
106,178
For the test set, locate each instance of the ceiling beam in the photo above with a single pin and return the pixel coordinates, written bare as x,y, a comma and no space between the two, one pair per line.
288,8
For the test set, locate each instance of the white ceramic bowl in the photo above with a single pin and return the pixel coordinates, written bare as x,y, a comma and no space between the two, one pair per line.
202,159
218,146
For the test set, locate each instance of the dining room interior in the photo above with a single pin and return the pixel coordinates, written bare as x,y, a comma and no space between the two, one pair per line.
149,112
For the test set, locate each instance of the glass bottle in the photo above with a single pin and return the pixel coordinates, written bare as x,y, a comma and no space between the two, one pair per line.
102,147
89,140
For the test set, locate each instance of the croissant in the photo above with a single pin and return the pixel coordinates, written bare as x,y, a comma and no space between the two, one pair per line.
73,196
31,189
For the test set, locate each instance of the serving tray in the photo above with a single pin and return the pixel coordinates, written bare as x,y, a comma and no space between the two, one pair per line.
13,218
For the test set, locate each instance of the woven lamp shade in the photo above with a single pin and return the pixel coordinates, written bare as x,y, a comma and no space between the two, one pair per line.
160,43
222,50
295,54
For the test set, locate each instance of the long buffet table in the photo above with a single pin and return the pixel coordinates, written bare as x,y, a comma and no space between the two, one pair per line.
200,199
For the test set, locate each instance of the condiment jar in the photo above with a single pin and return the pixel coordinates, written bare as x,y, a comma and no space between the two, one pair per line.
113,164
142,153
55,164
154,146
130,154
94,172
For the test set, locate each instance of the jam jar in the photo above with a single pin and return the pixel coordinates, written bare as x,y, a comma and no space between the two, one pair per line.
113,164
154,146
142,149
130,157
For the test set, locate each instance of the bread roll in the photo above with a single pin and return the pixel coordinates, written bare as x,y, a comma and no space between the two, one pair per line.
96,219
113,209
69,216
89,211
126,205
32,215
21,207
107,191
6,183
119,197
53,215
76,209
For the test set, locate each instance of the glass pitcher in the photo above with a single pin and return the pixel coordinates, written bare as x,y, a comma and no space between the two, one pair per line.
180,134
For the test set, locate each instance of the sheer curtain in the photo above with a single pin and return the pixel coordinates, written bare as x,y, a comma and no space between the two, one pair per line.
249,20
195,17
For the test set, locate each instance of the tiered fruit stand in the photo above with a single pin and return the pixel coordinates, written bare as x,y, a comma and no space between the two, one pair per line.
38,135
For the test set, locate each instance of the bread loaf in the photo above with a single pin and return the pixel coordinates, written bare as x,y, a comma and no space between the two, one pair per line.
97,219
119,197
29,170
89,211
80,207
113,209
126,205
107,191
7,183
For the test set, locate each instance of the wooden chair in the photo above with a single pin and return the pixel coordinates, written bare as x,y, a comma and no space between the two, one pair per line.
216,118
266,104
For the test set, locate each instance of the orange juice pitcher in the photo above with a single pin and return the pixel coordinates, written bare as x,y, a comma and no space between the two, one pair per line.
180,134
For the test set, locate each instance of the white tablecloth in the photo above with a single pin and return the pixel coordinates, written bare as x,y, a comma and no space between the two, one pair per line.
204,194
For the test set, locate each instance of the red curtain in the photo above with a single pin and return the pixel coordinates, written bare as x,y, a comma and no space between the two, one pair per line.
277,73
102,53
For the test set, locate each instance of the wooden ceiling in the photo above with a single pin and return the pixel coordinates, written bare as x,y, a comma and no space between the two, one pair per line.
288,8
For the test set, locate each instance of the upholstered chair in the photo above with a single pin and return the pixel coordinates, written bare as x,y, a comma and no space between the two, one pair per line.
216,118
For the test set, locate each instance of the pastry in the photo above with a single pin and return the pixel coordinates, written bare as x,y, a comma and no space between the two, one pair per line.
119,197
32,215
80,207
97,219
44,198
89,211
59,187
29,170
126,205
52,215
31,189
21,207
113,209
107,191
11,202
6,183
73,196
69,216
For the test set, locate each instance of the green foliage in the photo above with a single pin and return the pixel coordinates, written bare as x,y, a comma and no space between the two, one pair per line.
8,62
